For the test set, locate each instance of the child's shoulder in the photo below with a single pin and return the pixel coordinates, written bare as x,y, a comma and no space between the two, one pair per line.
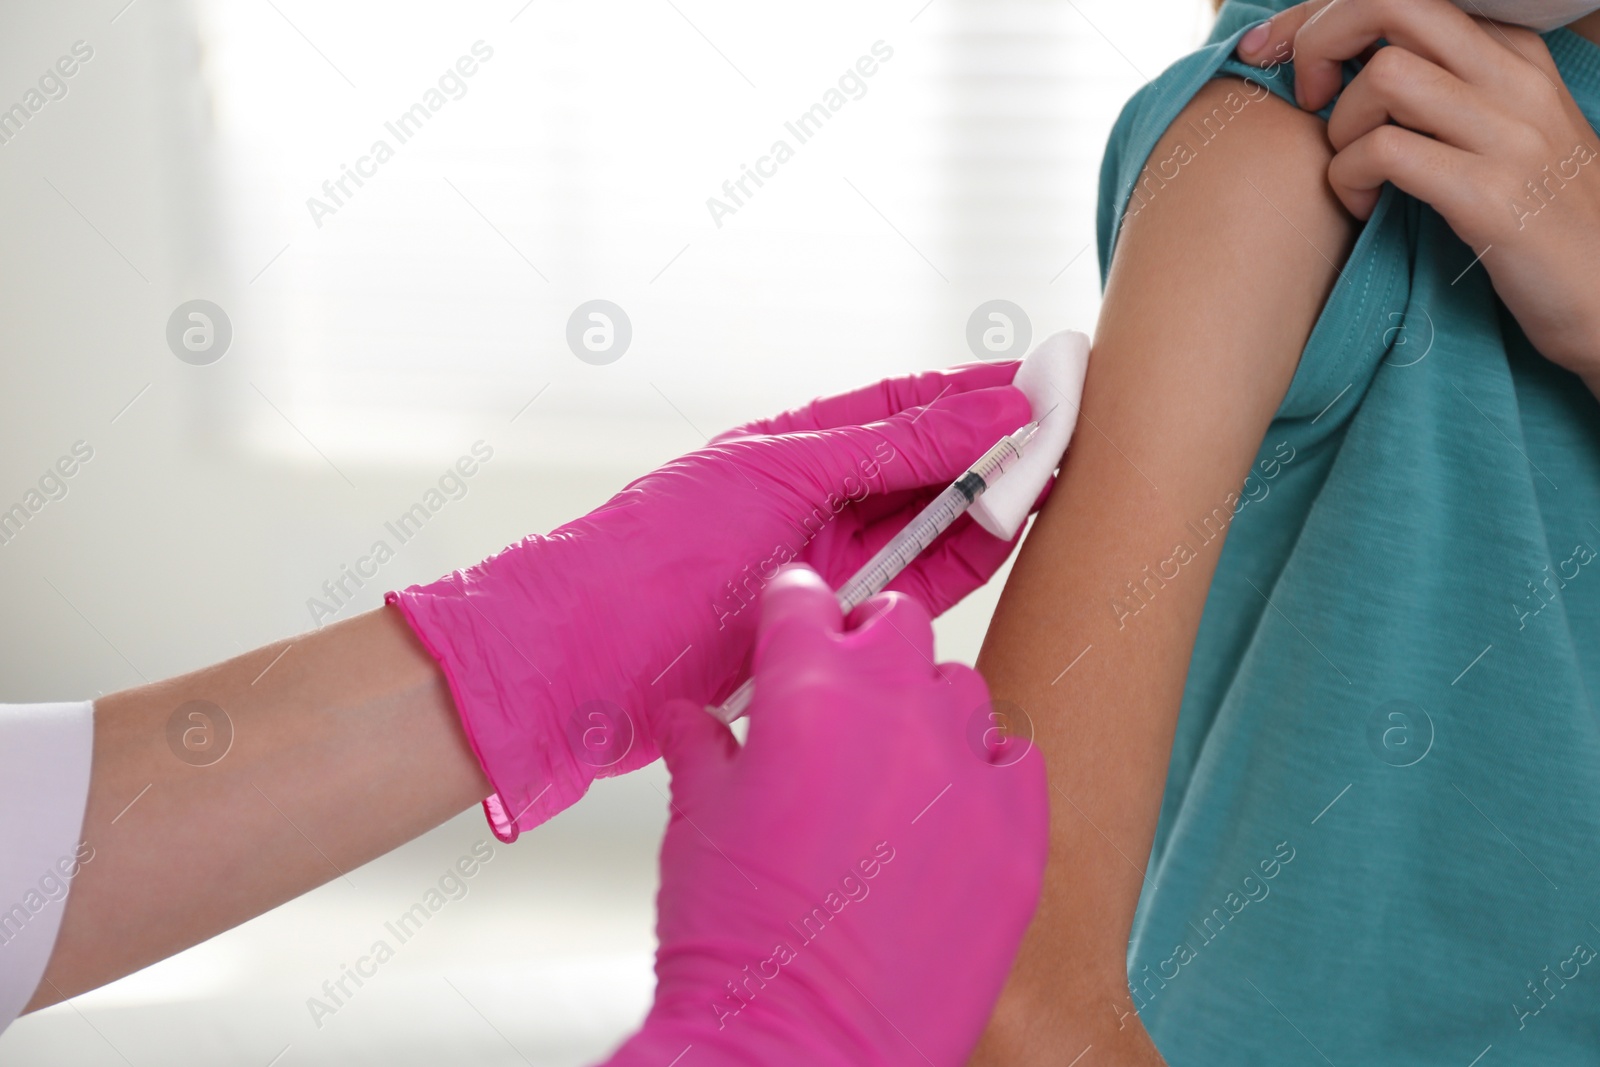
1208,113
1222,187
1235,163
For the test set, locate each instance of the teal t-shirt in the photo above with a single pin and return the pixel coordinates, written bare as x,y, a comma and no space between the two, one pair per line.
1380,837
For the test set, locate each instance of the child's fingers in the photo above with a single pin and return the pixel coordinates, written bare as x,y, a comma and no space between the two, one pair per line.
1324,35
1436,30
1273,41
1402,87
1429,170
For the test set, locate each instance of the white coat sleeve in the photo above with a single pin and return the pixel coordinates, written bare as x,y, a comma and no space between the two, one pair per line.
45,752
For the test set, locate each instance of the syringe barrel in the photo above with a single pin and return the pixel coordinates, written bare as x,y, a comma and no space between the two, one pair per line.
909,543
932,521
736,705
904,547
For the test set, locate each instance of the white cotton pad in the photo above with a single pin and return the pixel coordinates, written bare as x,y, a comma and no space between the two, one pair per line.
1052,380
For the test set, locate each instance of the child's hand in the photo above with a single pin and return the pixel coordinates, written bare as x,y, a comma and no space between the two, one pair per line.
1472,117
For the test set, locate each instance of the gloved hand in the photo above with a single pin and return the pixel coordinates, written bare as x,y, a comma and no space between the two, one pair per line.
557,647
851,886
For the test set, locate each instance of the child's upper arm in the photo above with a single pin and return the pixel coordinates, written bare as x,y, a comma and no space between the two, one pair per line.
1225,256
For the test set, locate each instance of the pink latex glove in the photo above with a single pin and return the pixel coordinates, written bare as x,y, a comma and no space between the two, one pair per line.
852,885
556,648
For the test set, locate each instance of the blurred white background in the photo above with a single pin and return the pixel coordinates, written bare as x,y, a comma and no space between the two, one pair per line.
375,345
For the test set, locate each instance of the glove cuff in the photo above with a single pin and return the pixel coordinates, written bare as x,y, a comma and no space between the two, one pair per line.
494,631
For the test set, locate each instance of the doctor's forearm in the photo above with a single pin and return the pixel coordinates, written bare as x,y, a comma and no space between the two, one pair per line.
344,744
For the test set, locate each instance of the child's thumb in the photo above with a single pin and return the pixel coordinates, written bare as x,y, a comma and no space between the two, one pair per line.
1273,41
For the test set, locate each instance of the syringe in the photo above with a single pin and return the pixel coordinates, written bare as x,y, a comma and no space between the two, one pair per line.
908,544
